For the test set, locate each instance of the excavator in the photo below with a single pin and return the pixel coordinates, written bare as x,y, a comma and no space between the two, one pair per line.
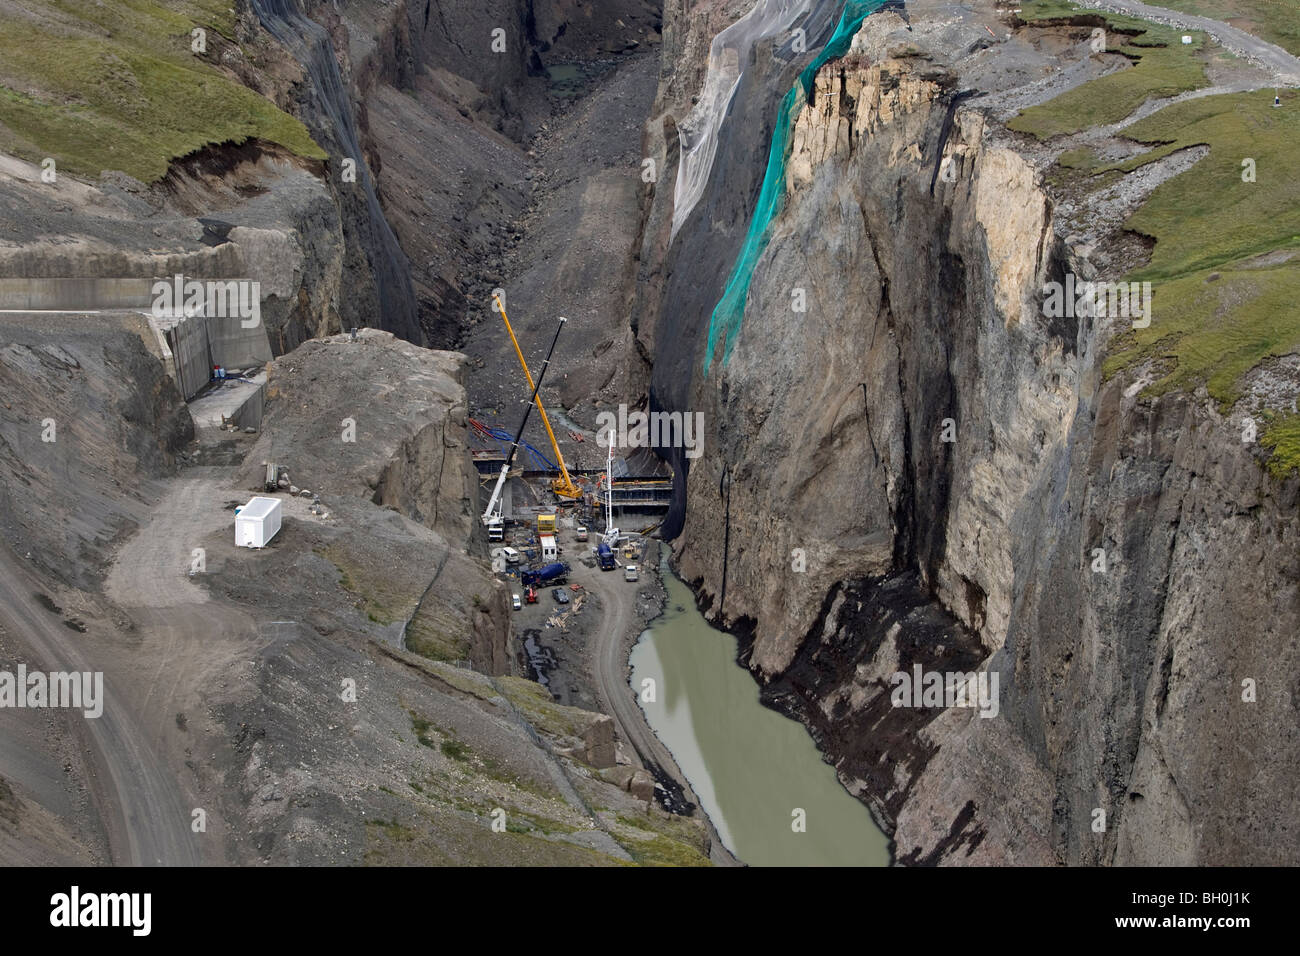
562,486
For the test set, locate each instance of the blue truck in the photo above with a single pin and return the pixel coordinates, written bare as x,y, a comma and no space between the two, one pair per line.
557,572
605,556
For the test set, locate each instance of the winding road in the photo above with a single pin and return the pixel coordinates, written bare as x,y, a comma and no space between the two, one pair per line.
1284,66
140,803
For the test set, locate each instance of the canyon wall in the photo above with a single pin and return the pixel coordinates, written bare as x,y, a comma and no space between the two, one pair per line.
907,463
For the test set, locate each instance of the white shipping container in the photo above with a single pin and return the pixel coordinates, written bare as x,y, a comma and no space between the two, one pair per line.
549,551
257,522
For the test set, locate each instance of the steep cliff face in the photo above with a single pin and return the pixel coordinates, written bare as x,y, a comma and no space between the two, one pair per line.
908,463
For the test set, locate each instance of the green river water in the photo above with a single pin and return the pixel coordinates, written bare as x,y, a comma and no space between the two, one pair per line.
750,767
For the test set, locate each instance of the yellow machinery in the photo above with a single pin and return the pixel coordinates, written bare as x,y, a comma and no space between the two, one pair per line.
562,486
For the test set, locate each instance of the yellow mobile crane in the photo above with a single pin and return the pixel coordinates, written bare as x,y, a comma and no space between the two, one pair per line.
562,486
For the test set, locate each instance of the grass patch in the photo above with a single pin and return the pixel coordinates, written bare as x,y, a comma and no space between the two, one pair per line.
432,633
662,851
421,726
1219,310
453,748
1083,159
1212,332
1282,438
1273,20
534,823
116,86
1208,216
393,830
379,597
535,702
1162,67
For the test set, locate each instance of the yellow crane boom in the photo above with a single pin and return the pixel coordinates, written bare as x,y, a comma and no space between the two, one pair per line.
562,486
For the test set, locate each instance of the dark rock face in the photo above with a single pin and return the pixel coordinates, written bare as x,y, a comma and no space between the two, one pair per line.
920,467
380,292
90,425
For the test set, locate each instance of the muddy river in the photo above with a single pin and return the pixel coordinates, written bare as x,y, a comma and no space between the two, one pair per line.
757,774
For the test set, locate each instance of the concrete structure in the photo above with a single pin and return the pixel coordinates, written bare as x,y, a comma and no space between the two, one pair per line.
76,294
257,522
238,400
193,344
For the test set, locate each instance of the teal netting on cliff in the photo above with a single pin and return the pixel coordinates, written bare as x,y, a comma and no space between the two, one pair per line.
730,310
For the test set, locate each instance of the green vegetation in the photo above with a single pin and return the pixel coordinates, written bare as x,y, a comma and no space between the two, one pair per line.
453,748
1224,268
1209,216
535,703
115,85
393,830
535,823
431,635
687,833
1162,66
661,851
1211,328
421,726
1084,159
1282,437
1276,21
1226,264
379,595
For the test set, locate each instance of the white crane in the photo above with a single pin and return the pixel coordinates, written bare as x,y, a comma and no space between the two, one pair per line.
611,533
492,514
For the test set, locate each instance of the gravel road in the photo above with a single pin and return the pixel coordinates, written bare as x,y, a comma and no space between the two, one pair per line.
1284,66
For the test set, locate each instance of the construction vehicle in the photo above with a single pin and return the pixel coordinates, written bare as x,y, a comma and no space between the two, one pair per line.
555,573
531,595
605,556
492,514
562,486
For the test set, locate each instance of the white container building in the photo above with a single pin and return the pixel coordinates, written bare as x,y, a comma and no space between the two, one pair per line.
257,522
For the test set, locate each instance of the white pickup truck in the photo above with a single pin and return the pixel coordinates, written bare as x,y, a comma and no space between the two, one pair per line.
629,573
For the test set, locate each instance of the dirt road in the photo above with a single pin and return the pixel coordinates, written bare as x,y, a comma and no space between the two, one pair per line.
608,662
1284,66
140,804
188,643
